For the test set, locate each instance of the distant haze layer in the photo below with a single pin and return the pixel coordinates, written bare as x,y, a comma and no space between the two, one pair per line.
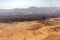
31,10
10,4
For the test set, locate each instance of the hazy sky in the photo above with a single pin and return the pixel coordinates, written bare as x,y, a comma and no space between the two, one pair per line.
9,4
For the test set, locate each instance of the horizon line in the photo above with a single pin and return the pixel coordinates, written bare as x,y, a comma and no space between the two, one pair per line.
30,7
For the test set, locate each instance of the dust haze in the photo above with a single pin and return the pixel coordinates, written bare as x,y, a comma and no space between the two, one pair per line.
33,23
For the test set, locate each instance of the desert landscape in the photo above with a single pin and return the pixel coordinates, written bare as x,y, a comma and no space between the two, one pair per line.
31,30
38,25
33,23
29,19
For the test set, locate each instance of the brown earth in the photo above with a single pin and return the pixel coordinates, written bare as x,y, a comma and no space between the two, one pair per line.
32,30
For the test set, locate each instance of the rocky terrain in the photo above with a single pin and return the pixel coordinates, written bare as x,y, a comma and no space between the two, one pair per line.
31,30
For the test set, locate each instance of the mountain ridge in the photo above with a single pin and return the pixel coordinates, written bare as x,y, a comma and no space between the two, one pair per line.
30,10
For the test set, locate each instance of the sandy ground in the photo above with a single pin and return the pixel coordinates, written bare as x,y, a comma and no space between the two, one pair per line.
32,30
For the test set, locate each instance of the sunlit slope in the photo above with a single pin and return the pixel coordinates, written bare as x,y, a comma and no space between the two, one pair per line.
32,30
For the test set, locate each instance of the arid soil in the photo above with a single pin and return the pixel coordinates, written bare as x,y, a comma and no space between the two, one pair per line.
31,30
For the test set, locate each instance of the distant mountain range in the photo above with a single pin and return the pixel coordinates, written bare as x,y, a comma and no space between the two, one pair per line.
29,14
30,11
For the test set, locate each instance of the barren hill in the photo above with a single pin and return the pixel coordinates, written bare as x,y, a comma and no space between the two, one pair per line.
31,30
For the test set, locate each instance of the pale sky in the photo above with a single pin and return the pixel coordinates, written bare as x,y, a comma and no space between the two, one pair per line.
10,4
